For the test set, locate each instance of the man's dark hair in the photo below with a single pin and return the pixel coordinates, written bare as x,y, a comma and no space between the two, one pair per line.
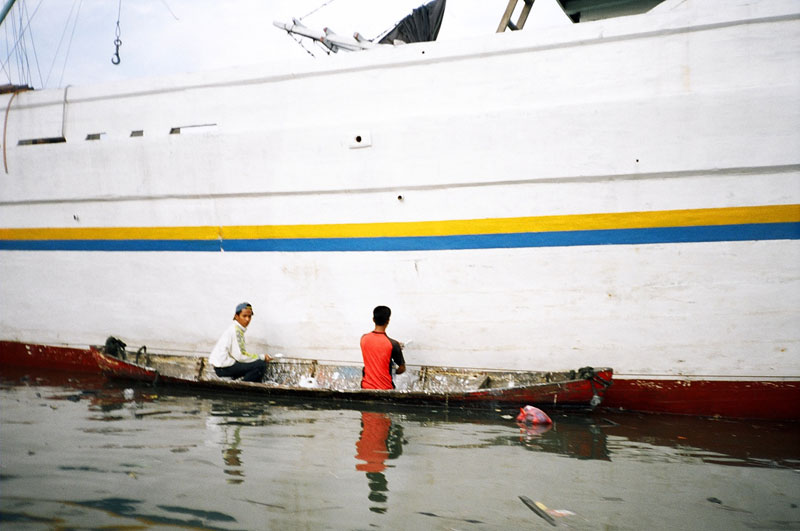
381,315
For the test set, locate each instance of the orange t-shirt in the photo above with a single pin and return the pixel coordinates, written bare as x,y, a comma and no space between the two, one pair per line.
378,351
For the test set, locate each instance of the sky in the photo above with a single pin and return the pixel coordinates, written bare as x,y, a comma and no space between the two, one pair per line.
162,37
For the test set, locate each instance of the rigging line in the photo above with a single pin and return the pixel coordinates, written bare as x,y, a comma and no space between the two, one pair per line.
21,49
33,45
384,33
12,49
298,41
22,52
69,45
317,9
5,33
170,10
8,47
324,48
60,42
25,40
20,43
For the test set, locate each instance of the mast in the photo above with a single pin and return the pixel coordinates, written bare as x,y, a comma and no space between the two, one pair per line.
6,8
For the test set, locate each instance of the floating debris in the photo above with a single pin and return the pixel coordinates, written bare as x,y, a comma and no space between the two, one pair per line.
539,508
533,415
150,413
434,515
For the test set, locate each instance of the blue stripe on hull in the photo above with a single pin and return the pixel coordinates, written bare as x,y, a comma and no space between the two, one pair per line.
711,233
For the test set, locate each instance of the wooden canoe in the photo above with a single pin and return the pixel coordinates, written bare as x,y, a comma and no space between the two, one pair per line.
423,385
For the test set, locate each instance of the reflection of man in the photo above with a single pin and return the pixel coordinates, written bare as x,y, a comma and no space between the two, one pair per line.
379,351
230,456
379,440
229,440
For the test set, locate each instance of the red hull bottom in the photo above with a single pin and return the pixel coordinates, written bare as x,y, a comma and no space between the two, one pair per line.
47,357
710,398
731,399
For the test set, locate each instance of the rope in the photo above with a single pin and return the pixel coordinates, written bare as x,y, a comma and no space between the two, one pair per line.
16,43
20,43
317,9
33,45
20,50
5,32
69,45
5,128
169,9
300,42
60,42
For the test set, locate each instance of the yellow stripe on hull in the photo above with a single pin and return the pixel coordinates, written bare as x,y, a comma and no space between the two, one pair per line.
574,222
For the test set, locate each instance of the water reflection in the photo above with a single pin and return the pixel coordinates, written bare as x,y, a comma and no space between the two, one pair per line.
230,456
604,435
194,518
571,436
226,420
84,454
380,439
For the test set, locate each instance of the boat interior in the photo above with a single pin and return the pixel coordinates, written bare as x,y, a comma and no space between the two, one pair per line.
306,373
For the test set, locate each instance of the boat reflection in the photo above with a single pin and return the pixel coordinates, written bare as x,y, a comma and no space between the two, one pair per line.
575,436
751,443
380,439
603,435
11,375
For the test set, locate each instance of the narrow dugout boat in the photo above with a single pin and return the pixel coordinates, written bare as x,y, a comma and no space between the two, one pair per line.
421,385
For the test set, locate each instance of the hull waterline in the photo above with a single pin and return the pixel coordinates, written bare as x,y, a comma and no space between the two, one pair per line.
728,399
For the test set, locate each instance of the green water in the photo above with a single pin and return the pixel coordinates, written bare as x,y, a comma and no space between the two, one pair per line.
79,452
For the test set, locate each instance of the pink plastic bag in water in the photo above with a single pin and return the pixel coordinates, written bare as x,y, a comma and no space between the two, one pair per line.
533,415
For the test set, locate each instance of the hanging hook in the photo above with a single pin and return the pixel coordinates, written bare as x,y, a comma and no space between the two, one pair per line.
117,42
115,58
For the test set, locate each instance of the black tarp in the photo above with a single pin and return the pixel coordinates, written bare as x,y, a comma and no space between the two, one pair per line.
422,25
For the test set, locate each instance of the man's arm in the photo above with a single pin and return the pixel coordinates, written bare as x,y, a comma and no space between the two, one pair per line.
239,350
397,357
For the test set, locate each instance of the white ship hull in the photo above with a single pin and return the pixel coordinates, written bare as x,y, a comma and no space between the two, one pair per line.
623,193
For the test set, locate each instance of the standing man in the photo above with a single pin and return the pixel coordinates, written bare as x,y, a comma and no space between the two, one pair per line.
378,351
230,358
